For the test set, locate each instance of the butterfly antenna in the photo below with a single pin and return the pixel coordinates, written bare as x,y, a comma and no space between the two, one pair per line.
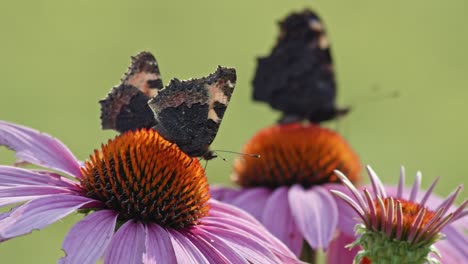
377,97
238,153
219,155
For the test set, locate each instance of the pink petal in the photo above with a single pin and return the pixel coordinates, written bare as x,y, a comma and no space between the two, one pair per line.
17,194
185,250
16,191
127,245
347,219
38,148
89,238
231,218
158,246
338,254
252,201
40,213
253,231
223,209
244,245
316,214
4,215
224,194
219,244
377,185
416,186
207,248
450,254
457,240
12,176
277,218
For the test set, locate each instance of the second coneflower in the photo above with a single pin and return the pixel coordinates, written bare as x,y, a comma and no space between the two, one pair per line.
145,202
287,187
400,226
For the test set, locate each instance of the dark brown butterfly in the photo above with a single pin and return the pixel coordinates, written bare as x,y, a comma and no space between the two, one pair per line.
297,78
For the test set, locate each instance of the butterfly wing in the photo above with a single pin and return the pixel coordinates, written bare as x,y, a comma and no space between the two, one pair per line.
188,113
297,78
125,107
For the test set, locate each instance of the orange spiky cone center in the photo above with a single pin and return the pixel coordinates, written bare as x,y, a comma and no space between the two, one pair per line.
144,177
295,154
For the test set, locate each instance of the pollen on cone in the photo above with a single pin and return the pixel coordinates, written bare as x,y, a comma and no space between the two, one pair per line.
295,154
146,178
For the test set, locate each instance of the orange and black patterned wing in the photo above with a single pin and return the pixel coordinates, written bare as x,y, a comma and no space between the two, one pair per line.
188,113
125,107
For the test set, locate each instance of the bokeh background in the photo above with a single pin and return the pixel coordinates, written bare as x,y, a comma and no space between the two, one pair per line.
58,58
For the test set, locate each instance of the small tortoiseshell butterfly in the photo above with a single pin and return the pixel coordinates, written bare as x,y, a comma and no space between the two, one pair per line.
187,113
297,78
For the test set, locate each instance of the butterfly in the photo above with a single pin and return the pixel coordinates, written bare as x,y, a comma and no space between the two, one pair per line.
297,78
187,113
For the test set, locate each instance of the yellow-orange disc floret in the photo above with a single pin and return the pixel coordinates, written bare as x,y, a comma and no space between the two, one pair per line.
295,154
144,177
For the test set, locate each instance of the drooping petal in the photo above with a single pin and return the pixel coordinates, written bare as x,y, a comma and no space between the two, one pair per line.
40,213
127,245
184,249
316,214
17,194
38,148
158,246
88,239
278,219
252,201
16,191
242,243
219,244
13,176
231,218
337,253
347,218
456,239
4,215
211,253
450,254
224,194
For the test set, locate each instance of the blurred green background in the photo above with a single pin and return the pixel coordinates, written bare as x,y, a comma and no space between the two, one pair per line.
58,58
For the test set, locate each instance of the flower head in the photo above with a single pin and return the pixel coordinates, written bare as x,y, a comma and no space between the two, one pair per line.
146,202
295,154
394,227
286,188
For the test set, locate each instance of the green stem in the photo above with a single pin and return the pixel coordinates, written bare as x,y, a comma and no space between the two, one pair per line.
308,254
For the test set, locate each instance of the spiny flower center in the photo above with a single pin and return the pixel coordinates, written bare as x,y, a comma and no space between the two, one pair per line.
144,177
295,154
410,213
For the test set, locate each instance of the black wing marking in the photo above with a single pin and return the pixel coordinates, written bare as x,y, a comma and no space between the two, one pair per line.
188,113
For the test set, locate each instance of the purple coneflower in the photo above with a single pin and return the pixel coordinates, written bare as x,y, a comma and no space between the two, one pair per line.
286,189
402,226
145,202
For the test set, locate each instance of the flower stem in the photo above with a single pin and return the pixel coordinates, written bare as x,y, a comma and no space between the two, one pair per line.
308,254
